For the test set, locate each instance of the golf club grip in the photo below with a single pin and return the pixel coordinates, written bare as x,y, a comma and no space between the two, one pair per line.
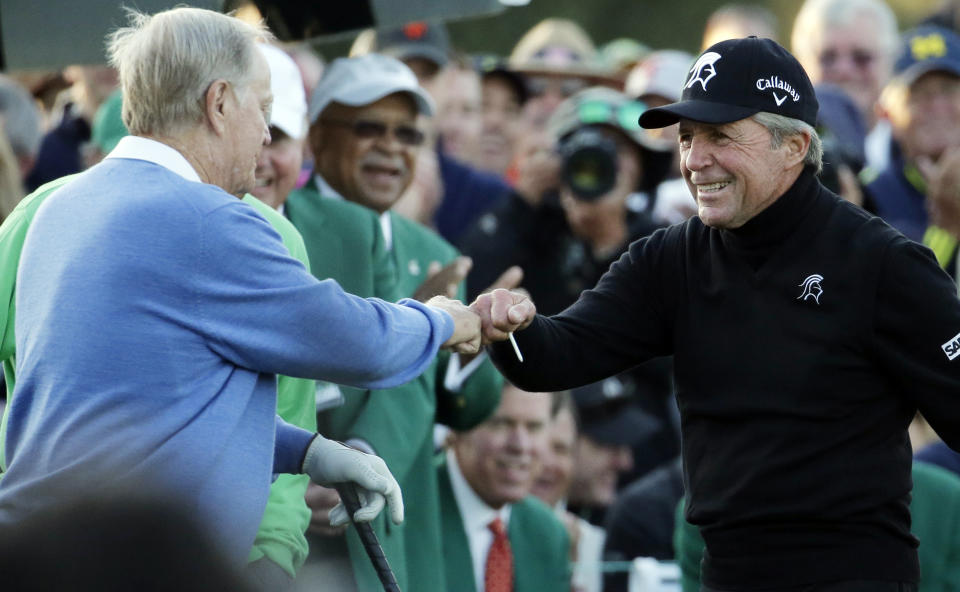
348,494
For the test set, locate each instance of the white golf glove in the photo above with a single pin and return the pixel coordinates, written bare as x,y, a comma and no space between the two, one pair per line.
329,462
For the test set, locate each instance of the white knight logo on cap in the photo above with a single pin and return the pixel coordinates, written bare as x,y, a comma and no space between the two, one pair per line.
704,69
773,83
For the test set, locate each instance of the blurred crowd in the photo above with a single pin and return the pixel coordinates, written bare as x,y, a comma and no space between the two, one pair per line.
454,173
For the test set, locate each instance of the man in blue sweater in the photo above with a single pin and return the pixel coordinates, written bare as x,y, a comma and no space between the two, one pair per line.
154,308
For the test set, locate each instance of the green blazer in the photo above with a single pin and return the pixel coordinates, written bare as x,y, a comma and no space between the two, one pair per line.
397,423
343,242
541,548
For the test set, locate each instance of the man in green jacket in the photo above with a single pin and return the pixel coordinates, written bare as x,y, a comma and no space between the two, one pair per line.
364,138
485,482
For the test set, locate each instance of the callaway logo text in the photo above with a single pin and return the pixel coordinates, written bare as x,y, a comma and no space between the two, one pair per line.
704,69
774,82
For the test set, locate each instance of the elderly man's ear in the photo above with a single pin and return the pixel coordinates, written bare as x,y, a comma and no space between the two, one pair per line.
216,100
796,146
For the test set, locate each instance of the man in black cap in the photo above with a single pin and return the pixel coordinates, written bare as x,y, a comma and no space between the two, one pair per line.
806,334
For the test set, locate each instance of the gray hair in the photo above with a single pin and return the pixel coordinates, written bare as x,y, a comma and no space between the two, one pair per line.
815,15
168,61
781,126
21,118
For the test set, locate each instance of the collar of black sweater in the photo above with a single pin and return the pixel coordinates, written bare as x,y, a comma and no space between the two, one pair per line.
780,219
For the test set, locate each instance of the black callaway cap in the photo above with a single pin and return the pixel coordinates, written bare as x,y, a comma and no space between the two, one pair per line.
737,78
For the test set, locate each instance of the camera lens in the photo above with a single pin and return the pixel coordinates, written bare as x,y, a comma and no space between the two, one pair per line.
589,164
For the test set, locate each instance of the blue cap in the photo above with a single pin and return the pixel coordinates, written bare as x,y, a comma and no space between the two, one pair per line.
927,49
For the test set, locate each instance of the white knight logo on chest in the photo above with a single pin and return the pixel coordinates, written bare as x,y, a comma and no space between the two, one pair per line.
811,288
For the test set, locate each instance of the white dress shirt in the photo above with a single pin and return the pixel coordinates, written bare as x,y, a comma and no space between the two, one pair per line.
477,516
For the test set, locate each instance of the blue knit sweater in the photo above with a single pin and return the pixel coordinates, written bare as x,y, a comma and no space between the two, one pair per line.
152,315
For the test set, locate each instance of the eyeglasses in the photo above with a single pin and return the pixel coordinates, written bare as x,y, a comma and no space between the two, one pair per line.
861,58
367,129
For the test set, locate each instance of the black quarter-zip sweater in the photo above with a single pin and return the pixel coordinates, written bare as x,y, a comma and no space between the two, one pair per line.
804,342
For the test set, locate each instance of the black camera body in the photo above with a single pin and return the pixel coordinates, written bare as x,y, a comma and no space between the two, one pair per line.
589,163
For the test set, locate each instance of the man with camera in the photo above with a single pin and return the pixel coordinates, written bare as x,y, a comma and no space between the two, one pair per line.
583,195
579,201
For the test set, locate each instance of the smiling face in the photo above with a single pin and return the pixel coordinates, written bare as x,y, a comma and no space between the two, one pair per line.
501,457
371,171
278,168
733,170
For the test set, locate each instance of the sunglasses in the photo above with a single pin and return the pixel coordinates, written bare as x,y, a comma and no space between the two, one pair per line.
367,129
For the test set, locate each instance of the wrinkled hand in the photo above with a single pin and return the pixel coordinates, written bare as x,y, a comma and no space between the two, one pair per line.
466,325
321,500
502,312
508,280
443,280
943,190
329,462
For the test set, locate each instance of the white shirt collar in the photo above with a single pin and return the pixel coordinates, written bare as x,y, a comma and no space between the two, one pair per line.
386,226
140,148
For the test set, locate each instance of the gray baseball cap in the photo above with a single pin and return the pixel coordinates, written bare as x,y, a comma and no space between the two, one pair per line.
366,79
